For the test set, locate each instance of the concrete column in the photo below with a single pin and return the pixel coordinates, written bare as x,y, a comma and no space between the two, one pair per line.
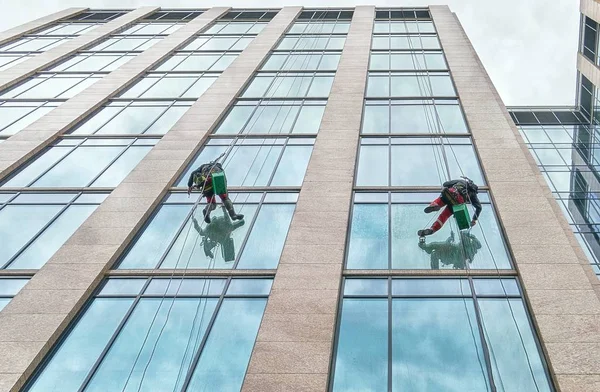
33,321
31,140
28,28
53,56
558,286
590,8
294,345
588,69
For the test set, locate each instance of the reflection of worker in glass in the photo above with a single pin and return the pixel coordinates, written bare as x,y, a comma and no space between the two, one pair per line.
452,253
218,232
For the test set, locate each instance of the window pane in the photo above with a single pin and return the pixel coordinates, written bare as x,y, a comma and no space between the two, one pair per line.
79,167
369,237
37,166
166,352
206,244
224,360
155,237
75,357
376,119
44,247
271,227
427,332
517,365
119,169
373,166
309,119
292,167
14,119
361,361
19,223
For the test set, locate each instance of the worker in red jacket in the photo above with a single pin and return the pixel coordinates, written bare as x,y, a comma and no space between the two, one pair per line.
455,192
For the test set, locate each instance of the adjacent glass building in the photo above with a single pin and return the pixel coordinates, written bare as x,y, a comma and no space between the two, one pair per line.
335,127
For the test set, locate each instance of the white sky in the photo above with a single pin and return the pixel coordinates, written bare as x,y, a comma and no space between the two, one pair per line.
528,47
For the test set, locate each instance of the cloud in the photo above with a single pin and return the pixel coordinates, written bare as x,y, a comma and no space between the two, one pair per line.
528,48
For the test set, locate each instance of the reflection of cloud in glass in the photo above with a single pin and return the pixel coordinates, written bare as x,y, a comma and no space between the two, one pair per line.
435,348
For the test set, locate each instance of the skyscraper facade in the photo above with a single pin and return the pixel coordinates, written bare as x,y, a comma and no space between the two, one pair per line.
335,128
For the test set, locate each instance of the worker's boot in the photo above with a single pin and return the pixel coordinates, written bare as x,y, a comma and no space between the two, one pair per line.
431,208
425,232
206,212
229,206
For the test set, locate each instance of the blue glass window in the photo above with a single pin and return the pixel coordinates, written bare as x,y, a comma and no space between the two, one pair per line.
165,86
443,116
413,162
412,331
258,161
165,339
134,118
15,116
383,235
290,85
273,117
83,163
176,239
34,226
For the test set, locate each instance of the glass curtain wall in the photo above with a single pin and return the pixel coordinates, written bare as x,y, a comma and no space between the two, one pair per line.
397,329
191,329
565,146
46,38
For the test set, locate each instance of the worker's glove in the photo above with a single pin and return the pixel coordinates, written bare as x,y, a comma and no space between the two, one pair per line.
189,190
473,222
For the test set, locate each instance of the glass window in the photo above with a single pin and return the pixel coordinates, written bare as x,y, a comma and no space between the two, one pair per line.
311,42
151,29
83,163
290,85
44,86
413,116
383,235
34,226
197,62
223,28
273,117
410,85
171,86
258,161
16,116
158,343
405,42
68,29
33,44
9,287
7,60
93,62
416,161
122,117
412,334
407,61
120,44
302,61
324,27
174,239
403,26
219,43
